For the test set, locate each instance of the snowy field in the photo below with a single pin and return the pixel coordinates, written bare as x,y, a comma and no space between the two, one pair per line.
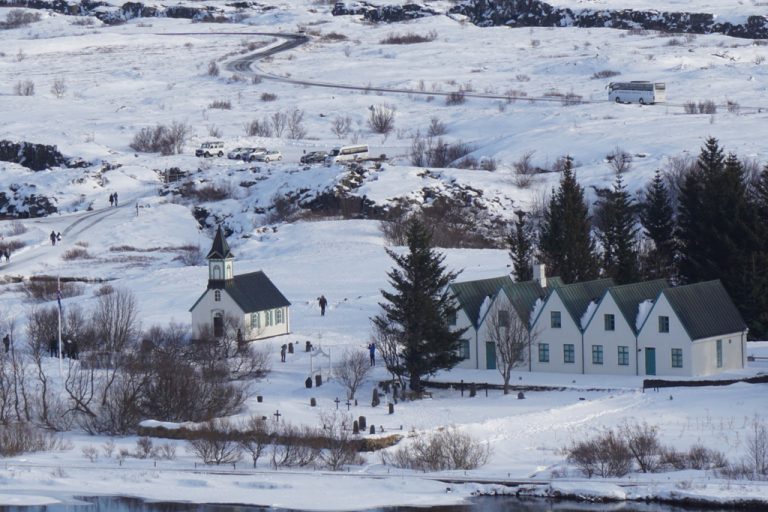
122,78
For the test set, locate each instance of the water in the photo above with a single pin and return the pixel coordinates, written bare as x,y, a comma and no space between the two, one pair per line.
481,504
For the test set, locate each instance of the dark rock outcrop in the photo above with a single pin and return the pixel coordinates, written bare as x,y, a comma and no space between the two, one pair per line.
383,14
32,156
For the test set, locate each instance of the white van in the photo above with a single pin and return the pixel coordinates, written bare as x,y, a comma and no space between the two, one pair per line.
347,153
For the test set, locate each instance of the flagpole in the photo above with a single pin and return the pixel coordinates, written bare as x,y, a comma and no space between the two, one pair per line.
58,299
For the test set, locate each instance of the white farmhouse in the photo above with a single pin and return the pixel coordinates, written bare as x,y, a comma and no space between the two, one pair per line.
692,330
252,300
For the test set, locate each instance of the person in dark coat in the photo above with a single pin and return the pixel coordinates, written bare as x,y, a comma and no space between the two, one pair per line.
323,302
7,343
53,238
372,352
53,348
282,353
115,196
111,200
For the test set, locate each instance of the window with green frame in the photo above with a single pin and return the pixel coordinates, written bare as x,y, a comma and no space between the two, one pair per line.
597,354
610,322
663,323
677,358
255,320
279,316
719,348
569,353
268,318
464,349
623,356
543,352
555,319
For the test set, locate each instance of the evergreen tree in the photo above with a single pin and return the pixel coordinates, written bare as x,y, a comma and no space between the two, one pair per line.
657,218
761,205
566,244
416,312
617,229
521,249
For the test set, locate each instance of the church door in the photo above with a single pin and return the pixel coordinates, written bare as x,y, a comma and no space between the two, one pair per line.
218,325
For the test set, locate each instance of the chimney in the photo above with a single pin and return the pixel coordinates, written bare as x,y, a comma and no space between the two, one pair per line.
540,274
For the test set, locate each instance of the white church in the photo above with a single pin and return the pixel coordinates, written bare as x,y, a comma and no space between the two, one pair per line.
251,299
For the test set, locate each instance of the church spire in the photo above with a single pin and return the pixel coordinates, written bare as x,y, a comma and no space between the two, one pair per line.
220,261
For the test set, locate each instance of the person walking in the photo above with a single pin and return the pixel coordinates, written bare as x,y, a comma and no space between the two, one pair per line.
282,353
115,196
111,200
323,302
372,352
53,238
7,254
58,236
7,343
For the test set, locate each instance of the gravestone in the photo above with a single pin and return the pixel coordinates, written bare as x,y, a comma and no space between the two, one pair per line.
318,380
362,422
308,382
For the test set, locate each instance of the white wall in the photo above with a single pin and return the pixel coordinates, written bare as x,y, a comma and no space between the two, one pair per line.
265,331
704,354
595,334
204,310
470,334
557,338
650,336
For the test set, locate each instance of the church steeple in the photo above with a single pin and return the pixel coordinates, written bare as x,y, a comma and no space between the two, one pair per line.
220,261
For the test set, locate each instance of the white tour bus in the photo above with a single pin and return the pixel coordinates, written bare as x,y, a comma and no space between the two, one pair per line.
645,93
346,153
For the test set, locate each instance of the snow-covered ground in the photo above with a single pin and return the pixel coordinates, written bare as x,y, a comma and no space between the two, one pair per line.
122,78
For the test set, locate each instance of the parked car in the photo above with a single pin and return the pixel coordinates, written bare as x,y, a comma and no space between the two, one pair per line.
269,156
314,157
239,153
208,149
253,154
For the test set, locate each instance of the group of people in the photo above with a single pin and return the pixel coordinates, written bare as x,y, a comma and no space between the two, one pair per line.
55,237
69,348
113,199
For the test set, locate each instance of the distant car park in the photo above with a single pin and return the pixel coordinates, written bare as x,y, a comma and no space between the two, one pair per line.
237,153
314,157
209,149
268,156
253,154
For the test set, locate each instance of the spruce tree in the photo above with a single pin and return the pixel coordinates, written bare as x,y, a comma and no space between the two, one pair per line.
617,232
566,243
657,218
761,204
521,249
417,310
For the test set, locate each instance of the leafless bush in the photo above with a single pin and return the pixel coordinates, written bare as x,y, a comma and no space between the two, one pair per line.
279,121
732,107
24,88
446,450
167,140
258,128
524,170
108,448
333,37
294,447
341,126
215,444
455,98
18,438
488,163
165,451
44,288
281,209
295,125
18,18
605,455
143,448
436,128
59,87
690,107
16,228
643,442
707,107
409,38
256,80
191,256
605,73
254,437
340,449
82,21
221,104
214,131
756,445
381,119
701,457
213,68
352,371
76,253
570,99
90,453
619,160
268,96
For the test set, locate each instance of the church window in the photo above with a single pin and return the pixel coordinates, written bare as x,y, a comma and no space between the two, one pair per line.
279,316
255,320
217,295
268,318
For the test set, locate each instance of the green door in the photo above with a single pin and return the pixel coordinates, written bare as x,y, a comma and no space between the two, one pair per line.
490,355
650,361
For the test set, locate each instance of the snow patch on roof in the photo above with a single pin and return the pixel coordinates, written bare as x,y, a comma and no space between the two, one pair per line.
588,314
642,313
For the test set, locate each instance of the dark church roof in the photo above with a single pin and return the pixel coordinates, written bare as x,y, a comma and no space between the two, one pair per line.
220,247
705,309
251,292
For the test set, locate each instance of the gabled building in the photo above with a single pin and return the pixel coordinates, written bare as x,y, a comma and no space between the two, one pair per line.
692,330
611,331
251,300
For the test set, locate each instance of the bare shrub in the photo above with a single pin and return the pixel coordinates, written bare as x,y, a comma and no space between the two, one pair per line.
701,457
18,18
90,453
108,448
165,451
59,87
707,107
294,447
643,441
76,253
488,164
756,447
16,228
732,107
215,443
295,125
445,450
409,38
570,99
619,160
144,448
191,256
605,73
18,438
167,140
24,88
221,104
690,107
524,170
381,119
279,121
605,455
455,98
254,437
116,319
340,449
341,126
268,96
436,128
256,80
352,371
214,131
213,68
281,209
258,128
44,288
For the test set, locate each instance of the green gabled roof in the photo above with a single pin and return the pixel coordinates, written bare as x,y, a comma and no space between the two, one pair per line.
254,292
705,309
471,294
628,297
220,248
577,296
523,295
